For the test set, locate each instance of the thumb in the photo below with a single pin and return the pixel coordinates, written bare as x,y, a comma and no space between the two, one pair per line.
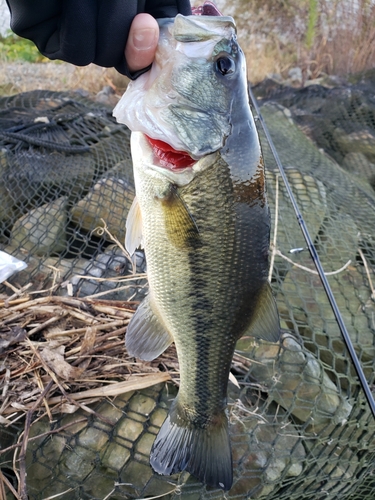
142,41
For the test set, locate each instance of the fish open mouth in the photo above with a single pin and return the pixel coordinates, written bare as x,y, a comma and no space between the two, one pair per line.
170,157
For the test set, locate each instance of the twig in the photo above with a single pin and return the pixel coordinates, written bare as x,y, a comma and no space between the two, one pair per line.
56,274
100,230
41,387
103,326
312,271
15,470
27,305
44,434
131,277
368,273
3,495
12,287
109,494
16,294
59,494
111,84
98,347
66,301
160,496
9,485
5,386
136,383
48,322
22,488
9,303
107,292
273,245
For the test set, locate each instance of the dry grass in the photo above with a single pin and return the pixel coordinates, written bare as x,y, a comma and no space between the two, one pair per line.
266,60
16,77
275,36
345,39
319,36
75,347
59,354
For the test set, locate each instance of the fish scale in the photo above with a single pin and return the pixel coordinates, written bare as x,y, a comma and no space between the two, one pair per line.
205,230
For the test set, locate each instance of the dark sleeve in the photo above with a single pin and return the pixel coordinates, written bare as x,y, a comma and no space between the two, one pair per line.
86,31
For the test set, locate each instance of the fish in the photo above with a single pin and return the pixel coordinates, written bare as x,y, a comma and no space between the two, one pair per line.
202,217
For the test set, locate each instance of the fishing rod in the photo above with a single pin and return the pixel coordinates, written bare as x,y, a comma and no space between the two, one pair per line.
314,255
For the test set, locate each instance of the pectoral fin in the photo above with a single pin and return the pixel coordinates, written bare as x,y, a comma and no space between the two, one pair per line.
265,323
133,236
180,225
146,337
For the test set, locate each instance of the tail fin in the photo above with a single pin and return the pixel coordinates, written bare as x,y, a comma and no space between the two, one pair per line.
204,452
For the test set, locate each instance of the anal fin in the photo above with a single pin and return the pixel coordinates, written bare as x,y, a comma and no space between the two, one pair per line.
146,337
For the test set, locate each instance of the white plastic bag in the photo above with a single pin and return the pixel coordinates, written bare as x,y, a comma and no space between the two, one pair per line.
9,265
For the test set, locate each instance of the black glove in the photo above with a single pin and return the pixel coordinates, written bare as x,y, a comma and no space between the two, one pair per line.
86,31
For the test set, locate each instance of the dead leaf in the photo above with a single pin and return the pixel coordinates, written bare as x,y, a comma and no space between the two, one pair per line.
54,359
13,336
87,345
133,384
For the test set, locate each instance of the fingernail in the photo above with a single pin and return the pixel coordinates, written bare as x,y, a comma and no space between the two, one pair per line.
144,39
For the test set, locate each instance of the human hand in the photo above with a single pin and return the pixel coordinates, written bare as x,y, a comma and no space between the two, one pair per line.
142,41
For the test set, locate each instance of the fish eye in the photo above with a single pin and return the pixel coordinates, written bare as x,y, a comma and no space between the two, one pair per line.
225,65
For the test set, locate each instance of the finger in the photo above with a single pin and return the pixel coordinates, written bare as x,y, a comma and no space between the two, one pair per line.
142,41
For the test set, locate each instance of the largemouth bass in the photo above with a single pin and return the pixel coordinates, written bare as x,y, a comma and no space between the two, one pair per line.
202,216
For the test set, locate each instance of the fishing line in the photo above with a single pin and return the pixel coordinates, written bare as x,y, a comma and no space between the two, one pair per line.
317,263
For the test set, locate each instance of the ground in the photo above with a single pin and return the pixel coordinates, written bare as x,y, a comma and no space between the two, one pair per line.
18,77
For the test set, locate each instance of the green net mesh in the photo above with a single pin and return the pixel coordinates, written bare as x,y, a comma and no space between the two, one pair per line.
66,174
299,422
